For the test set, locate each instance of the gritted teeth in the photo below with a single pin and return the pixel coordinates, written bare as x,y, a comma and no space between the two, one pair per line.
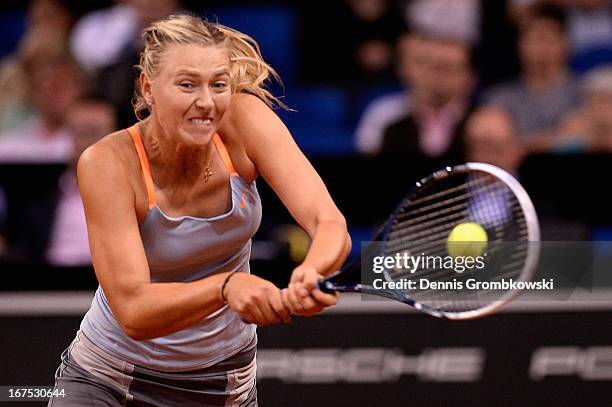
200,120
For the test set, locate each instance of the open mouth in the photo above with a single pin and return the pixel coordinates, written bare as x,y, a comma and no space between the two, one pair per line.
199,121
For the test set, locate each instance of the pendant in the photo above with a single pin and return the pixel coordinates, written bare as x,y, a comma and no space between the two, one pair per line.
207,172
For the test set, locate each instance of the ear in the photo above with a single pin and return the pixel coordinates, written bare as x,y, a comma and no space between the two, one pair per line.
145,87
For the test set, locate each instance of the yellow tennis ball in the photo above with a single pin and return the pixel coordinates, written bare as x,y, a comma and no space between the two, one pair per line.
467,239
299,242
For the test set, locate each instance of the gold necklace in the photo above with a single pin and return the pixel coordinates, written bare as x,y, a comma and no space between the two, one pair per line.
207,172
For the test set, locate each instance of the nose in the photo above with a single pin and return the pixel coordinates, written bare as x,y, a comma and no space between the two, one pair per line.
204,99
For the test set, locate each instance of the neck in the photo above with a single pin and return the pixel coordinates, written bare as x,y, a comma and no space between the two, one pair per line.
422,108
171,162
543,76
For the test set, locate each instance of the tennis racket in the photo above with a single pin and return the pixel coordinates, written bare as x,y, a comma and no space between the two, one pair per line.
474,193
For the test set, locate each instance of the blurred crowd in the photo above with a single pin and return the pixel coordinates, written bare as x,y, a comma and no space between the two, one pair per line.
460,102
453,80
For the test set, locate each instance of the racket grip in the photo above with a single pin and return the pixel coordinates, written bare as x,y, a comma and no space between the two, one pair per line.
326,286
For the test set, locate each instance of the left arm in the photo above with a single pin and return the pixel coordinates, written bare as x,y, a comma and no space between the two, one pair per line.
270,147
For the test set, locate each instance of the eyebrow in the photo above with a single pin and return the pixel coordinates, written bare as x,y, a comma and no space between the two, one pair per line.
193,72
221,71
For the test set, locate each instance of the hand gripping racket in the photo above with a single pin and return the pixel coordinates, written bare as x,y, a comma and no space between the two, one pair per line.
473,193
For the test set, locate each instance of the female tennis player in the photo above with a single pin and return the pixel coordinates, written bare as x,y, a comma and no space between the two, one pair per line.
171,206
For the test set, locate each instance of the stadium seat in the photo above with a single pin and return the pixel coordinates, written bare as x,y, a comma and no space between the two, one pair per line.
273,27
12,26
589,59
319,124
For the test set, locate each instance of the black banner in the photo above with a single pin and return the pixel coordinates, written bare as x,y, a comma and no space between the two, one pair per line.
527,358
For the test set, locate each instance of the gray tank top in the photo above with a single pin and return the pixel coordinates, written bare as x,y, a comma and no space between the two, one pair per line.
184,249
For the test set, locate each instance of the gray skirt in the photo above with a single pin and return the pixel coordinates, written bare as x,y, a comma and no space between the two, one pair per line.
89,376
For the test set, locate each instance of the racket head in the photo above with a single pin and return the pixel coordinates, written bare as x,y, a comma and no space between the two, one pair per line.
492,198
472,192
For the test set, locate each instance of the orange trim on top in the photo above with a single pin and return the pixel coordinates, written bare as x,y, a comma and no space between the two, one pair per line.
144,164
223,153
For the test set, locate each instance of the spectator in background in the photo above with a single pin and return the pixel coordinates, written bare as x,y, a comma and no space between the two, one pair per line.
101,37
115,78
48,226
590,128
389,108
546,91
48,22
457,19
490,137
56,15
54,82
436,24
589,21
484,24
375,27
88,120
441,83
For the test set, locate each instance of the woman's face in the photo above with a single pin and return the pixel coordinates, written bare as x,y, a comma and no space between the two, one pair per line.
543,43
191,92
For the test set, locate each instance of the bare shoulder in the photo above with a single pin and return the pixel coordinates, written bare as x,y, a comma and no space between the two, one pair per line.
111,167
109,155
247,101
247,110
242,127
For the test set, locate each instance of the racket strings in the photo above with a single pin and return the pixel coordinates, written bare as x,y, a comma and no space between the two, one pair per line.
455,184
422,247
437,229
438,224
408,211
439,209
450,211
441,193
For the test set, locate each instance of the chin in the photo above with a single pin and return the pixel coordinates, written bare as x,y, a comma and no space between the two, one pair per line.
198,137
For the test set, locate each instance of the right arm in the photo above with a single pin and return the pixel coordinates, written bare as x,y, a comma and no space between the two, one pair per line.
144,309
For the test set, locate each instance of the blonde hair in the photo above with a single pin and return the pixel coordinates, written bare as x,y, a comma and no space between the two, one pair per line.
248,71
